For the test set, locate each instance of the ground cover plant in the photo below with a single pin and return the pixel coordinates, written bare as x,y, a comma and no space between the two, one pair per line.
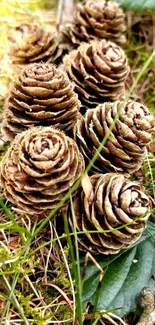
77,92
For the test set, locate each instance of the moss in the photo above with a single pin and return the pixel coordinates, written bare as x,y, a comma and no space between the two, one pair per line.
64,312
4,255
37,316
29,303
61,278
9,262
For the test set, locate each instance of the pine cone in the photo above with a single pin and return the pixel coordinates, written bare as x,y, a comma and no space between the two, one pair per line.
96,19
31,43
39,168
124,149
113,202
42,95
99,70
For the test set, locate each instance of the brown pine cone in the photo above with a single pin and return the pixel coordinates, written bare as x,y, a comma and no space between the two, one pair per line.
113,202
124,149
39,168
96,19
42,95
99,70
31,43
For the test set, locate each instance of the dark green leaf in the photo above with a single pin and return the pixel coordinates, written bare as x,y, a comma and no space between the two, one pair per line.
125,274
137,5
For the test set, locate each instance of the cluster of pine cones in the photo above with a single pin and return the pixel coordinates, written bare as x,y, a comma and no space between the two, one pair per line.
68,110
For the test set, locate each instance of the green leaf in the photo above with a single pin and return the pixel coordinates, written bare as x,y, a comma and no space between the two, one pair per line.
125,274
137,5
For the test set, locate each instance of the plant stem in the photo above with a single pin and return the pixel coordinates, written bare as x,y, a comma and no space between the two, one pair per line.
79,306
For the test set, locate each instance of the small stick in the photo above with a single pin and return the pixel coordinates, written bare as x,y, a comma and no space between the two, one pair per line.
87,257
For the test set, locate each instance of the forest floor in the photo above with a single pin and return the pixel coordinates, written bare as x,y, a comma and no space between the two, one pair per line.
37,263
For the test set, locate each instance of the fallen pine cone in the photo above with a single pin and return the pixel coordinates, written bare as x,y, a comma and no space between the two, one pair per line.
131,133
95,19
116,207
31,43
39,168
42,95
99,70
